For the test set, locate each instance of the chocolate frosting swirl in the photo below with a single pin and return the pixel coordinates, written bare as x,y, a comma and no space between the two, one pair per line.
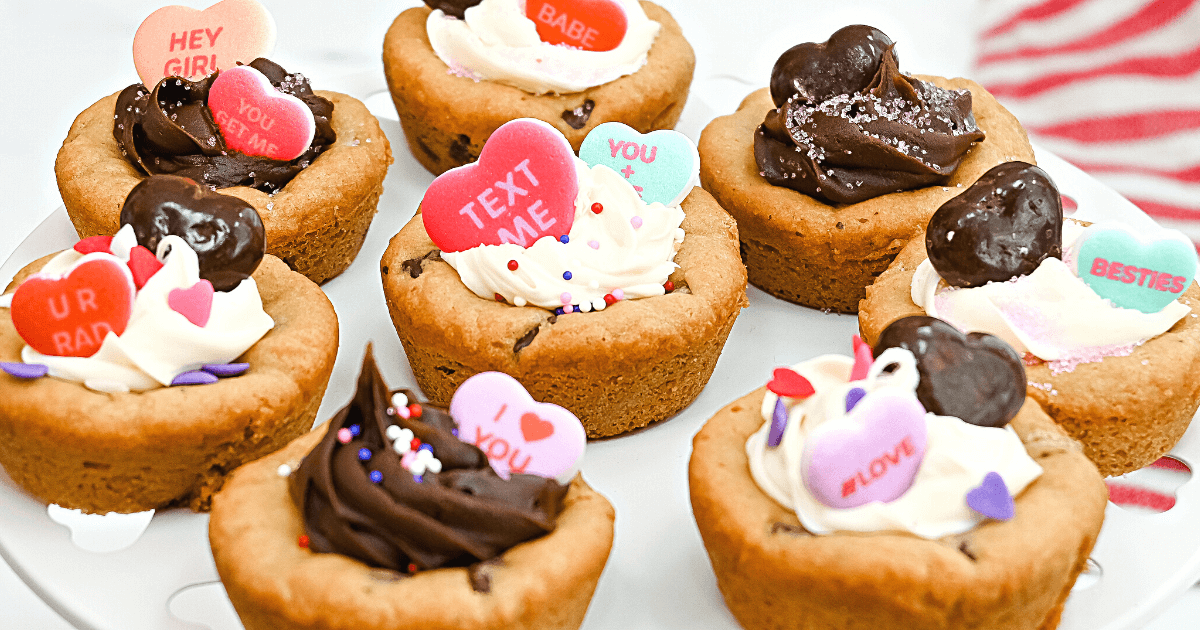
170,130
849,126
463,515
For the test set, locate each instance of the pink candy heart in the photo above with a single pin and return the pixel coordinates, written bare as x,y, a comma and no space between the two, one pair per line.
518,434
183,42
872,454
194,303
257,119
522,188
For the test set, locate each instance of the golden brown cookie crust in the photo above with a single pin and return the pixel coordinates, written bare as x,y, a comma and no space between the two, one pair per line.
1126,411
1012,575
67,444
447,118
803,250
634,363
546,583
316,223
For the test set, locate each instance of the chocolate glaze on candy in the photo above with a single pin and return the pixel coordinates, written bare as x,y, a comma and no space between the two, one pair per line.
844,64
1003,226
225,232
974,377
456,8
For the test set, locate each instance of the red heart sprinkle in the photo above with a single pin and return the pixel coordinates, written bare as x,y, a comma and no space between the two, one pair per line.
862,360
194,303
93,244
69,316
788,382
534,428
142,264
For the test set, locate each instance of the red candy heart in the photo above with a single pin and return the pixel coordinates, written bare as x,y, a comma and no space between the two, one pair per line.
69,316
522,188
588,24
183,42
194,303
257,119
534,428
93,244
142,264
787,382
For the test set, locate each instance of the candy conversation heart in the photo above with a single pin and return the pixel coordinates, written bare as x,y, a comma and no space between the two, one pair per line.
662,165
257,119
596,25
518,434
1145,275
70,315
871,455
183,42
522,188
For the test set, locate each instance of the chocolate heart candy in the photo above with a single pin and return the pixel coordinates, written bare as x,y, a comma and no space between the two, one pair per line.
225,232
844,64
974,377
457,8
1003,226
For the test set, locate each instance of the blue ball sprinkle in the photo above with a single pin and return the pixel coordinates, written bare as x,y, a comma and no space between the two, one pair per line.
376,476
558,311
454,432
425,447
564,239
364,453
355,430
418,478
566,275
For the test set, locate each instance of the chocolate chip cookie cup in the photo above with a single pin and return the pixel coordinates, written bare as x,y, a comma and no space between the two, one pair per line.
135,451
316,221
447,118
633,363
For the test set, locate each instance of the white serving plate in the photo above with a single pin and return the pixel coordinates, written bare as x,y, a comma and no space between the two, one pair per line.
658,575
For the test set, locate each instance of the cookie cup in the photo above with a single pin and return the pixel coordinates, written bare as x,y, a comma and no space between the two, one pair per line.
447,118
631,364
545,583
129,452
1010,575
1126,411
806,251
316,223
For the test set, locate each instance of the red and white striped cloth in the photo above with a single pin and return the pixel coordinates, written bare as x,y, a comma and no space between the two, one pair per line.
1112,86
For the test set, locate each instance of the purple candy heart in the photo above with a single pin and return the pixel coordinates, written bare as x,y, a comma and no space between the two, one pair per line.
25,370
853,396
991,498
195,377
224,370
778,424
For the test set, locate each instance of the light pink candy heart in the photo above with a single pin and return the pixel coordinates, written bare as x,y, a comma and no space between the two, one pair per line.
257,119
183,42
518,434
872,454
194,303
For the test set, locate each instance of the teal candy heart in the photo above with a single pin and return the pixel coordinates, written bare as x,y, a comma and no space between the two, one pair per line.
1132,273
662,165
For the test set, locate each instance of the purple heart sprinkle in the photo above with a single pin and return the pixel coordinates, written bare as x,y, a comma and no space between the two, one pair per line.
226,369
779,421
853,396
25,370
991,498
195,377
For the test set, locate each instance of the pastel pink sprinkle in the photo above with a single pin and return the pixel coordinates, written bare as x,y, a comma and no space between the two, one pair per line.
566,299
344,435
618,293
636,222
403,412
568,309
594,244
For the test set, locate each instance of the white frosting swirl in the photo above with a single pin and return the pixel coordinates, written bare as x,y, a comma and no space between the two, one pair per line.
628,247
1050,313
496,42
957,456
158,343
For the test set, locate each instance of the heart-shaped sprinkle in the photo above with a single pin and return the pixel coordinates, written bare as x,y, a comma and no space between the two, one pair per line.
194,303
143,264
862,359
662,165
975,377
1145,275
94,244
225,370
522,188
183,42
991,498
518,434
872,454
779,420
788,382
844,64
597,25
853,397
70,315
195,377
24,370
257,119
